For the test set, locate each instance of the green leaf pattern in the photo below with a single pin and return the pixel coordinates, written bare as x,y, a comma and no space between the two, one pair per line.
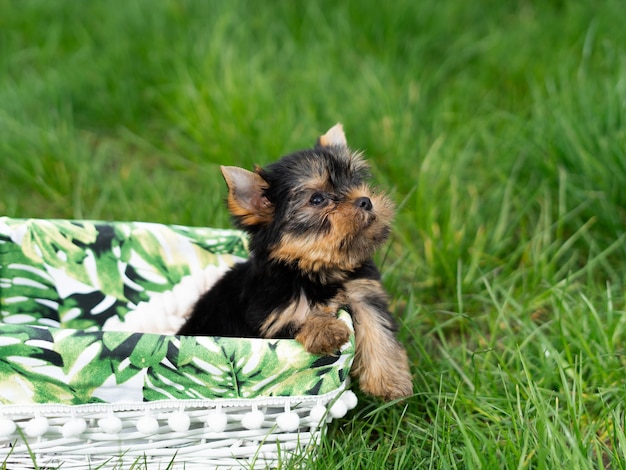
61,280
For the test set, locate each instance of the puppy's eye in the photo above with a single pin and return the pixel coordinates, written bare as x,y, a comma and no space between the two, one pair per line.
317,199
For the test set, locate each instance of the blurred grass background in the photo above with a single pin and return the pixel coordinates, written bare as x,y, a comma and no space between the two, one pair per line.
498,128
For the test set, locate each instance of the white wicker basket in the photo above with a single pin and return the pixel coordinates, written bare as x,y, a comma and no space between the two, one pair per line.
74,396
205,434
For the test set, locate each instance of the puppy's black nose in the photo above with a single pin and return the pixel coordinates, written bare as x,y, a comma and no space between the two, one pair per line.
364,203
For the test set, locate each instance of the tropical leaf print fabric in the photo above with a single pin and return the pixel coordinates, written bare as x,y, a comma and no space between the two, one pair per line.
60,281
77,274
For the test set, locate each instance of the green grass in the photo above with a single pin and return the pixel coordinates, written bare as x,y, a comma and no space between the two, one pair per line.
498,127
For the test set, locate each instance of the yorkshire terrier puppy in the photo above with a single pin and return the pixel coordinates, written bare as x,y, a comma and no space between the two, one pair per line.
313,225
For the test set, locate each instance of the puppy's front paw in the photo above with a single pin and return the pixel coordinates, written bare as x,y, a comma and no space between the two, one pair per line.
323,335
388,388
386,376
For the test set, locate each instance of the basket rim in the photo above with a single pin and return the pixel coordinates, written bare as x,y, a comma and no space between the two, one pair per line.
168,405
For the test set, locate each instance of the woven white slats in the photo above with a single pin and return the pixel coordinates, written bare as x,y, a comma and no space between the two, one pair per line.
280,431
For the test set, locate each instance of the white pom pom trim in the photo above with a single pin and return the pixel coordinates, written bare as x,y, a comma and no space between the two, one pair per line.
147,425
216,420
317,414
36,427
7,427
74,427
110,424
289,421
338,409
350,399
179,421
253,419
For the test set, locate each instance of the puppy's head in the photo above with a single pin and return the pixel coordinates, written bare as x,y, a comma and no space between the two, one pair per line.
312,209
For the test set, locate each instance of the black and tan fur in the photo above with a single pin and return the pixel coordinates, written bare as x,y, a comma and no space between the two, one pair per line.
314,225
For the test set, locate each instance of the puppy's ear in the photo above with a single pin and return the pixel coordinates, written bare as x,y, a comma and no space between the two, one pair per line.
246,198
334,137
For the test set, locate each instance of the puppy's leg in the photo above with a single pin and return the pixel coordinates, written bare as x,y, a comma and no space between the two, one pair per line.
380,362
321,332
315,325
